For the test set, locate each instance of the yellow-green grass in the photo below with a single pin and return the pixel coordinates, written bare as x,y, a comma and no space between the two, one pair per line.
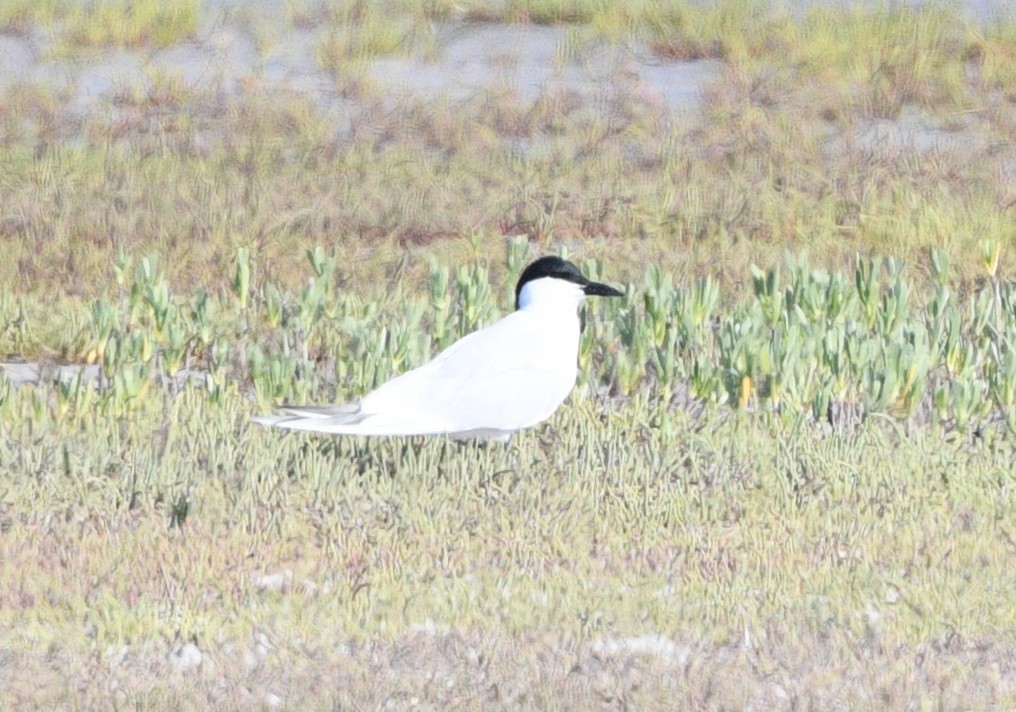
129,23
749,183
760,547
777,159
362,32
646,548
22,15
159,550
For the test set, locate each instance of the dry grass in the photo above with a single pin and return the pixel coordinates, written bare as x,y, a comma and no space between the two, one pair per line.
784,158
157,552
595,562
119,23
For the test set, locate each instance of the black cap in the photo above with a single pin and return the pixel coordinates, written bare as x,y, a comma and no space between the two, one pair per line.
558,268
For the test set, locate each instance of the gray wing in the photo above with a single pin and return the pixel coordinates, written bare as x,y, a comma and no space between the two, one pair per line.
339,414
502,378
506,376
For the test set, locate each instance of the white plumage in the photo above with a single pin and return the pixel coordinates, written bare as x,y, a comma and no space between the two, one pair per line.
511,375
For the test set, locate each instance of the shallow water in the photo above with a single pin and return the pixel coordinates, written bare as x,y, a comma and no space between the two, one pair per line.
470,59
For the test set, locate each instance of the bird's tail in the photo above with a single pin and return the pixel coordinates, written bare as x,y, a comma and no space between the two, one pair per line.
342,414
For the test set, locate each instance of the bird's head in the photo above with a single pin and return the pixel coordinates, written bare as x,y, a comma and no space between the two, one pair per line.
552,280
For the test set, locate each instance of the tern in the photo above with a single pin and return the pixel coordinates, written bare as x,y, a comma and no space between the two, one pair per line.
508,376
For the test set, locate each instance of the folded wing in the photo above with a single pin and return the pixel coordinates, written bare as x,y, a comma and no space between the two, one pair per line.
496,380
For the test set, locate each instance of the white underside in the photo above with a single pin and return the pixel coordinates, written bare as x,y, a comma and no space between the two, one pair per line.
491,383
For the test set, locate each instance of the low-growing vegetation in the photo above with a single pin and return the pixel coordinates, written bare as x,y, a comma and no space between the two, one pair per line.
783,481
811,344
728,487
130,23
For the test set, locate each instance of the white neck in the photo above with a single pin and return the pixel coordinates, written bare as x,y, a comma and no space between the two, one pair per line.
550,293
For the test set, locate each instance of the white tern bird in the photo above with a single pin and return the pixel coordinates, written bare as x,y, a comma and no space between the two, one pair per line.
510,375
